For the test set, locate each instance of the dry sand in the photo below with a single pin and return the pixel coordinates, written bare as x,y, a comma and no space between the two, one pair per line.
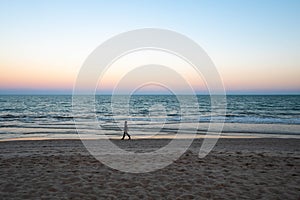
258,168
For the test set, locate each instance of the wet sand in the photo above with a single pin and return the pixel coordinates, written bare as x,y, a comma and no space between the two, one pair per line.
251,168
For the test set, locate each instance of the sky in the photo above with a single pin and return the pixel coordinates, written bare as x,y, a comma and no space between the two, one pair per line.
255,45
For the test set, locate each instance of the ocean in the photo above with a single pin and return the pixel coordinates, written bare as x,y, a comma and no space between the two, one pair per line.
147,115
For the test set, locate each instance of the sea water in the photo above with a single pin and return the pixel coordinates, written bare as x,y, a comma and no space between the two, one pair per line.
26,115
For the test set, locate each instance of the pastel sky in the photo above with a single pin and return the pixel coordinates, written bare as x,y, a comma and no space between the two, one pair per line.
255,45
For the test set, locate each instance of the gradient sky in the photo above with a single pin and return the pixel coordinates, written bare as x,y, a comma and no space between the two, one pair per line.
254,44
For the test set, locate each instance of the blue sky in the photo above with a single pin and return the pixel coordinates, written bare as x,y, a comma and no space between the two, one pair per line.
254,44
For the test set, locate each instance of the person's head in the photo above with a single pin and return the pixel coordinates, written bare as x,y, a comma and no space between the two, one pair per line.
125,122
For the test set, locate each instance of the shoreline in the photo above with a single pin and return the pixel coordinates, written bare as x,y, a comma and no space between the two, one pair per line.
33,137
230,130
163,137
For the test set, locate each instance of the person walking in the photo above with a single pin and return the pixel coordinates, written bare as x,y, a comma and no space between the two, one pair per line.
125,131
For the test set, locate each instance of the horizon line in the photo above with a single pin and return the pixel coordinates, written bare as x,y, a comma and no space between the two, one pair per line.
166,94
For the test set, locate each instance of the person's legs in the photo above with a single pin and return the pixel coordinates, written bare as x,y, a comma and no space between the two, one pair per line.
129,138
123,136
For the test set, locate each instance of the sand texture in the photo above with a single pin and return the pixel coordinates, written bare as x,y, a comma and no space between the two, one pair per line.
236,169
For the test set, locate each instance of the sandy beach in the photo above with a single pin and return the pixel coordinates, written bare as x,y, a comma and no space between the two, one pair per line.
251,168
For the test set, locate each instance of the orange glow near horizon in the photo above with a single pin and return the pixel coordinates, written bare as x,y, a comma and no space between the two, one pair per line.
21,76
47,79
36,76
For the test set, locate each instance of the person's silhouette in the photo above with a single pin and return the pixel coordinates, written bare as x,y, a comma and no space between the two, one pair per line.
125,131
